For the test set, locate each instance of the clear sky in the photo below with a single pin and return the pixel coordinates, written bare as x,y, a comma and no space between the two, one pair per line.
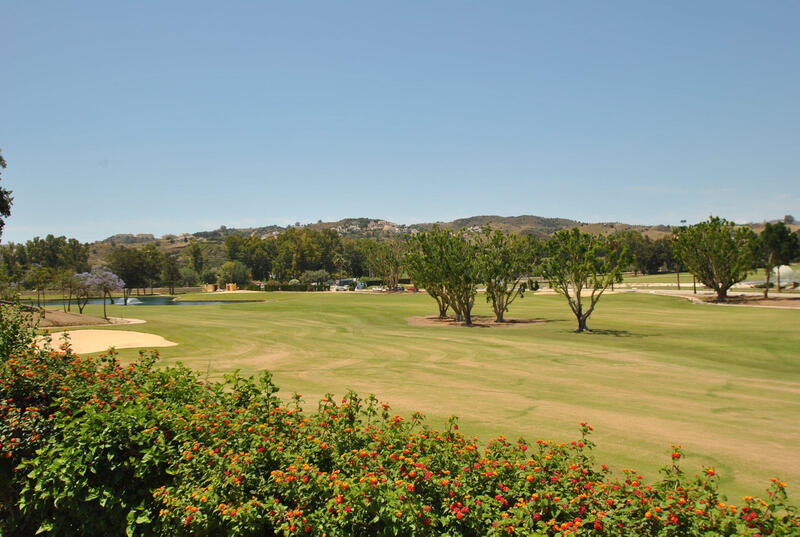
169,117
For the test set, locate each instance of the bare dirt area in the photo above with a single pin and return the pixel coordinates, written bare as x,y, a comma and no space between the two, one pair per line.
56,319
64,319
771,302
477,322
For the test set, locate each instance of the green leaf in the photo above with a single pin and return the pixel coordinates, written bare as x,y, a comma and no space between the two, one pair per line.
45,527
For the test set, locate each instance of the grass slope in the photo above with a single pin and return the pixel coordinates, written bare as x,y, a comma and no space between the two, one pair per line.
723,382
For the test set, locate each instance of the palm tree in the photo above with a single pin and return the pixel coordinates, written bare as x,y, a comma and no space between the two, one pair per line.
339,262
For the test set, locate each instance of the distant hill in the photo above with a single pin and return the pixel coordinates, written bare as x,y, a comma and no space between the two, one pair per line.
377,228
374,227
542,227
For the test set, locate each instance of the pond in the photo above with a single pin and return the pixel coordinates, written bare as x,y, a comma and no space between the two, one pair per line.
147,301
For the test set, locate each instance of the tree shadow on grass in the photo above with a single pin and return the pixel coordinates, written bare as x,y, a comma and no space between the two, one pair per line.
615,333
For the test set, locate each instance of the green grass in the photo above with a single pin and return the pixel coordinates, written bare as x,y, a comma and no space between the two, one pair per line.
722,381
686,277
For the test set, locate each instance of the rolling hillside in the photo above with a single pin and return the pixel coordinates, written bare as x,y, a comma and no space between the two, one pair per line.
377,228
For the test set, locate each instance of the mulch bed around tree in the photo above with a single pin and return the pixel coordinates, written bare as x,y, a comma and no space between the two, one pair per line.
477,321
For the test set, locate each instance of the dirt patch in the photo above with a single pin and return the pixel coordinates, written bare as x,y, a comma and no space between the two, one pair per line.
772,302
477,321
88,341
55,319
62,319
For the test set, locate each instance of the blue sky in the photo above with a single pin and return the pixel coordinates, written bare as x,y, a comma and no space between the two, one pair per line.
168,117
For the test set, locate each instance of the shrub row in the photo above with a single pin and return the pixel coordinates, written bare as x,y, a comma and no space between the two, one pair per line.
89,446
274,285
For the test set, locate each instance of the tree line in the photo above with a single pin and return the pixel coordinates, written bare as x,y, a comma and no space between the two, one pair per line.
449,265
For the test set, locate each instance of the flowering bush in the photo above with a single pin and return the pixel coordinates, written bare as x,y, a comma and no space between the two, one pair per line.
89,446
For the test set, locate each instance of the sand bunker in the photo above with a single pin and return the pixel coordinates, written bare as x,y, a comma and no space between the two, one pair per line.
477,321
87,341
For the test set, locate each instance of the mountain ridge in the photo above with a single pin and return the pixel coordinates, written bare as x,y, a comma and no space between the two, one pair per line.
377,227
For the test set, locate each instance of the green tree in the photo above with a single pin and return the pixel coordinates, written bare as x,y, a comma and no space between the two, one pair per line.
152,264
235,248
445,264
339,262
190,278
460,272
5,198
14,260
386,259
259,257
718,253
196,255
638,248
38,278
66,281
170,272
318,277
209,275
128,264
233,272
424,261
503,262
74,256
46,252
7,289
354,253
778,246
577,261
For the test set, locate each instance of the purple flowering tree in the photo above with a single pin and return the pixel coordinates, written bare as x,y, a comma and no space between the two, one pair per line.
99,280
82,289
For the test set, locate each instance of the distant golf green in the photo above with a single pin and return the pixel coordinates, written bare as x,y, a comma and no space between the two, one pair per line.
722,381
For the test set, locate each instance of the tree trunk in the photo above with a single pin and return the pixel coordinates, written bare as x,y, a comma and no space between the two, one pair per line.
467,317
694,284
778,274
499,307
767,272
722,295
577,309
443,307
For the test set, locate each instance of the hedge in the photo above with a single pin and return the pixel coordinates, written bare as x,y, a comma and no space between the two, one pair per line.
274,285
